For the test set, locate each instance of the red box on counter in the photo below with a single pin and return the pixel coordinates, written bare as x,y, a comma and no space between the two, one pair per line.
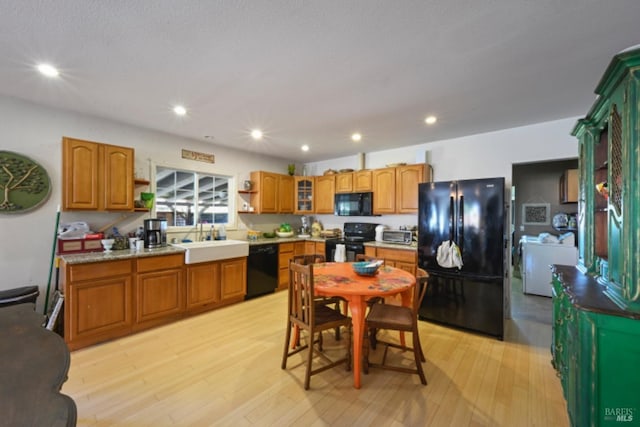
74,246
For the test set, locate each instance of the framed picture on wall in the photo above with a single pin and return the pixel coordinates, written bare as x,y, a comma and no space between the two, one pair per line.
536,213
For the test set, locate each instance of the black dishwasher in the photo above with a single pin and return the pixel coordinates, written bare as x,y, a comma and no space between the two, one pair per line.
262,270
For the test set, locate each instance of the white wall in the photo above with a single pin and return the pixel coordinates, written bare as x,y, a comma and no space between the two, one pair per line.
35,131
476,156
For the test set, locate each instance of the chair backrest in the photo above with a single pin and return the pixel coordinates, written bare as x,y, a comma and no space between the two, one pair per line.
301,298
308,259
422,281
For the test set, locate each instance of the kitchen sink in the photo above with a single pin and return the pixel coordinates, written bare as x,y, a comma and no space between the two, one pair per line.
212,250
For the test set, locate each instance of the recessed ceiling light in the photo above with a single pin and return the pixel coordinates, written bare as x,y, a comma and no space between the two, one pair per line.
48,70
356,137
256,134
179,110
430,120
305,147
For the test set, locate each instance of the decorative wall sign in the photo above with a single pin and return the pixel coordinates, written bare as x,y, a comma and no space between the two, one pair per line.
535,213
24,184
201,157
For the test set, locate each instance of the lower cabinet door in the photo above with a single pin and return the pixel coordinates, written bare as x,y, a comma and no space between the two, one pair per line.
98,310
203,285
159,295
233,274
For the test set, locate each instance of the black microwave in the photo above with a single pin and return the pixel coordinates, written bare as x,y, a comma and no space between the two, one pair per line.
353,204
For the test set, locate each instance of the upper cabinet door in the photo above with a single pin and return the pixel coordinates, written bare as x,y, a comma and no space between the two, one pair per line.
304,195
265,198
325,191
407,180
384,190
362,181
79,174
344,182
118,178
285,194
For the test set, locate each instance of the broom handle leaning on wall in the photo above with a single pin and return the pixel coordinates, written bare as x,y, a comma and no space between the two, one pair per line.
53,255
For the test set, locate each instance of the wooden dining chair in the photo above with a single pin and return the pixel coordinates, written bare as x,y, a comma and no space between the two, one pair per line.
336,301
307,315
397,318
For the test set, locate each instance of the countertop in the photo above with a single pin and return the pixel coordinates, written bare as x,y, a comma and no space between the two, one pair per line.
88,257
269,241
412,247
117,255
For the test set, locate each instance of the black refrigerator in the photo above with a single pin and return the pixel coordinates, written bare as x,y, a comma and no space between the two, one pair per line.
470,213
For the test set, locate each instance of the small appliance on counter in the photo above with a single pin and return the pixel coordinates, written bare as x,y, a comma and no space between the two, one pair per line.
155,233
379,230
403,237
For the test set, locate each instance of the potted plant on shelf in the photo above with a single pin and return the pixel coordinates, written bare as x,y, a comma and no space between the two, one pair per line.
291,168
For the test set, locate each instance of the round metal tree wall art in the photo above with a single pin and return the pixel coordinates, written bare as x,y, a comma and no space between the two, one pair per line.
24,184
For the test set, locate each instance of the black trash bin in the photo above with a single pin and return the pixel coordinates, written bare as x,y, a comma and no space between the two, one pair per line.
19,296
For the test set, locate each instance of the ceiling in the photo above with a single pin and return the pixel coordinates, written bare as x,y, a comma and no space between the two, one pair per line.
314,72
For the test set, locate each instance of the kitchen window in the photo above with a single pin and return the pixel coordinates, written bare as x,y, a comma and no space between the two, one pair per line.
187,198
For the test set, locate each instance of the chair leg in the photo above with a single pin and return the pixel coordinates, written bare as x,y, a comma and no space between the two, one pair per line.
337,307
307,377
417,355
373,338
285,356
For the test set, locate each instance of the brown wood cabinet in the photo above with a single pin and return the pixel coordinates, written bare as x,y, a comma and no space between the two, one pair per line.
264,199
203,285
233,278
311,247
304,189
272,192
344,182
396,189
384,190
111,299
405,259
568,187
325,191
98,302
96,176
159,290
407,180
285,253
362,181
285,194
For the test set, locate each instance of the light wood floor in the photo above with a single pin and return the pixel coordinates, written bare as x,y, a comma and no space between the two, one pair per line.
223,368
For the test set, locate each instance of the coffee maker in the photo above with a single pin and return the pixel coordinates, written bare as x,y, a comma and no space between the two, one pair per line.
155,233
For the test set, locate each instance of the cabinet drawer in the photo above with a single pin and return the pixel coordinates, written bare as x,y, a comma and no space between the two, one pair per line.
286,247
99,270
398,255
159,262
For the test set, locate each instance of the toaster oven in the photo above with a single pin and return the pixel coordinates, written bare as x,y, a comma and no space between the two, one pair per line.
403,237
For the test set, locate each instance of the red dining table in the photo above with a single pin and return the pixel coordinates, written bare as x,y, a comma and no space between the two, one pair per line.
339,279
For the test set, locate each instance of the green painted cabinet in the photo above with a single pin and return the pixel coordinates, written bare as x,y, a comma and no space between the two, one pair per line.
595,350
596,306
609,198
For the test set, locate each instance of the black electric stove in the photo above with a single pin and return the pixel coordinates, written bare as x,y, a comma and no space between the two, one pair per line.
354,235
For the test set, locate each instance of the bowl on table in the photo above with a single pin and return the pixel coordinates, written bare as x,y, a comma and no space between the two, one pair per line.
366,268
